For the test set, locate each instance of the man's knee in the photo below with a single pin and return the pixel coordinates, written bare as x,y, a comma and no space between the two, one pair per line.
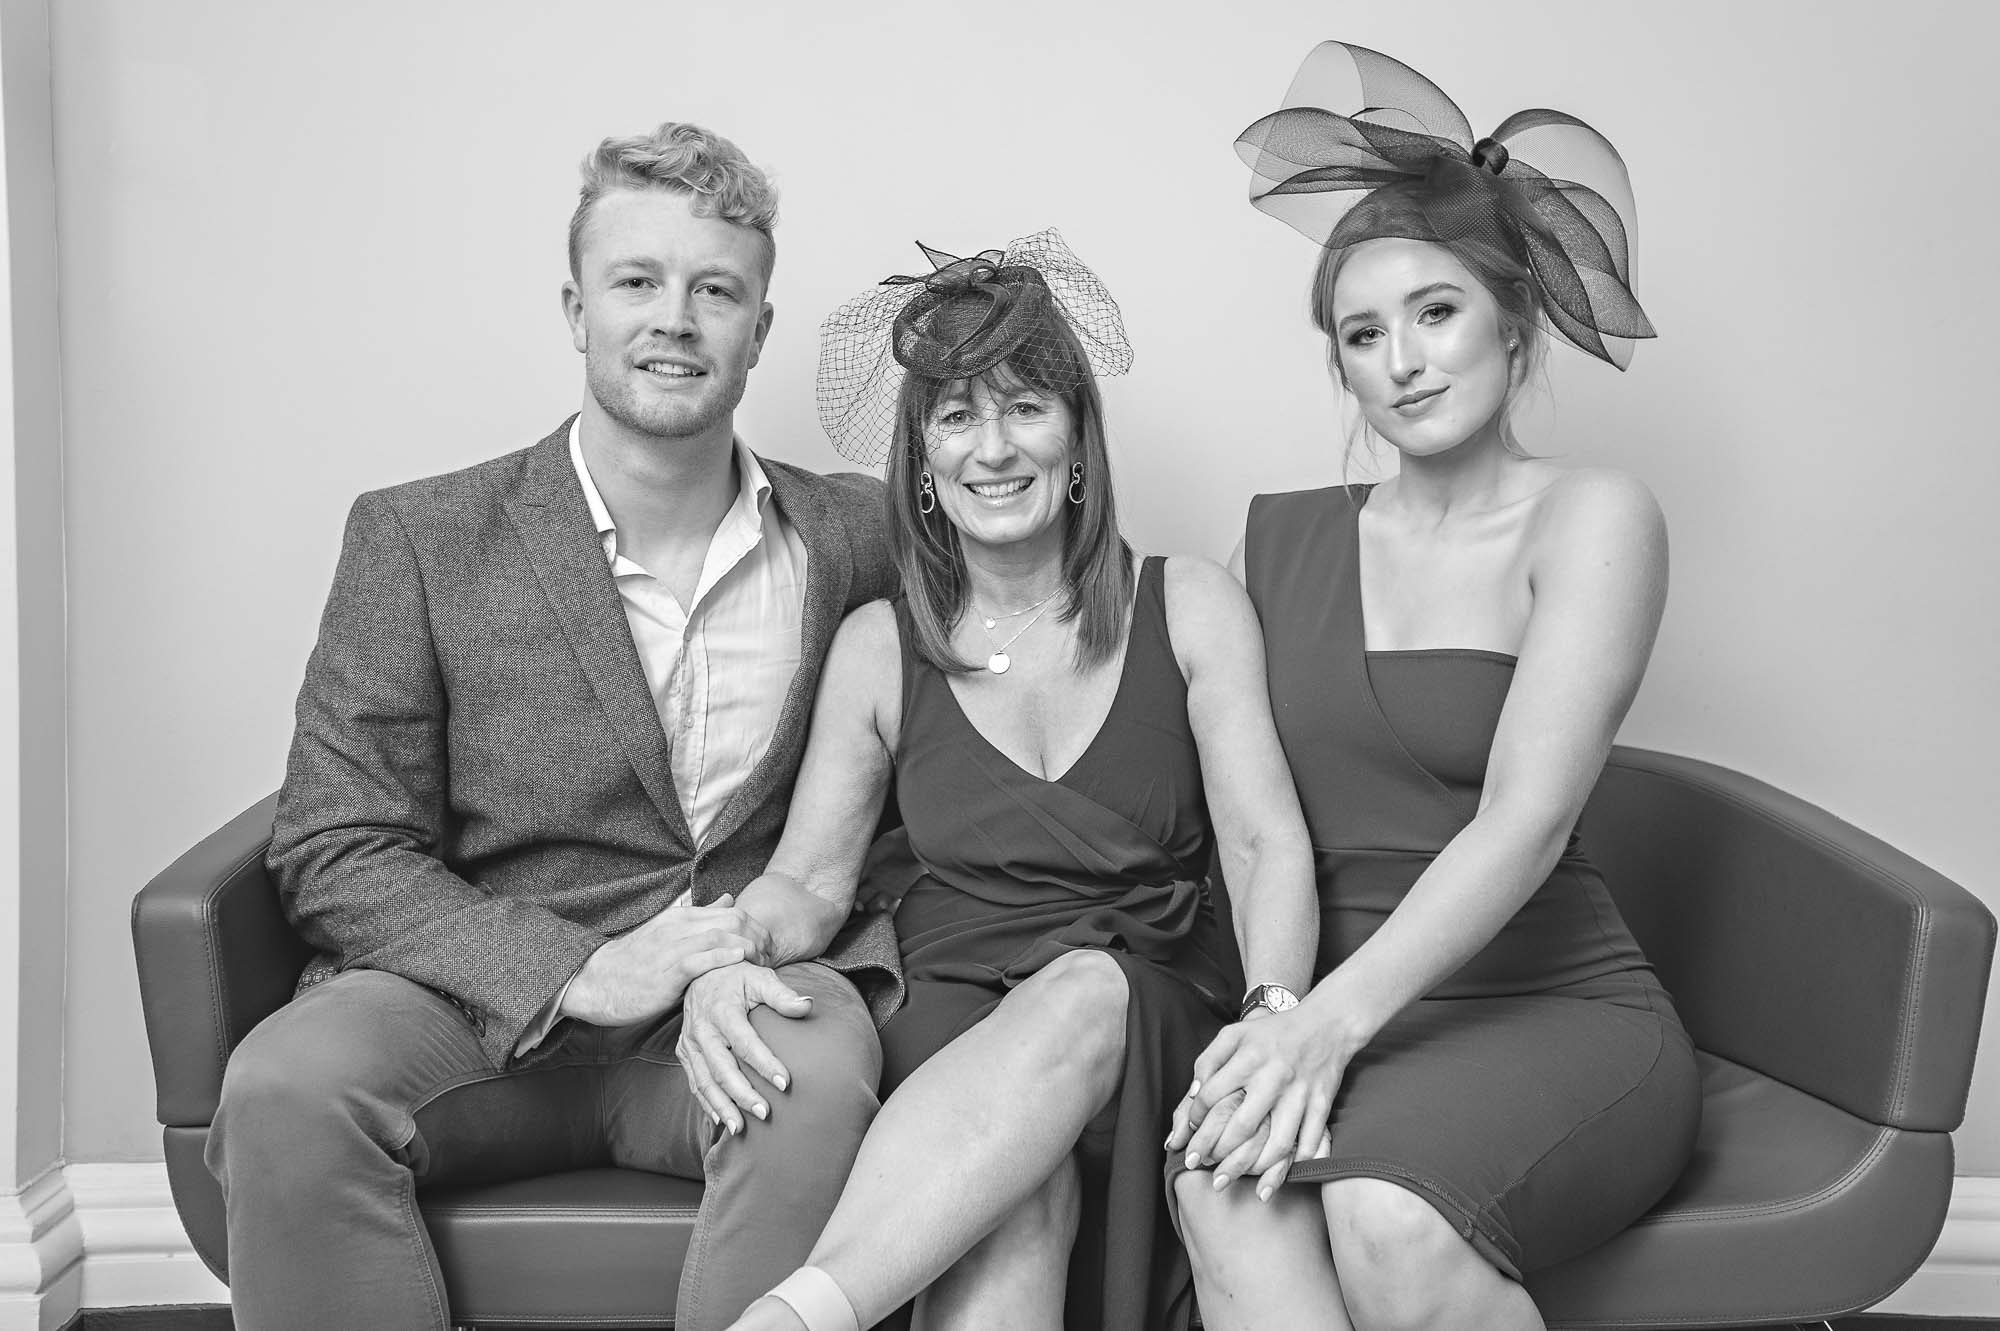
281,1100
334,1071
818,1120
832,1054
798,1159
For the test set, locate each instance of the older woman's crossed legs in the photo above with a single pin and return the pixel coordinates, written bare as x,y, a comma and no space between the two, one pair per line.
965,1186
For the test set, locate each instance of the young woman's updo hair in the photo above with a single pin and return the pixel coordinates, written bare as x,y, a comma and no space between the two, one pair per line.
1413,211
1047,358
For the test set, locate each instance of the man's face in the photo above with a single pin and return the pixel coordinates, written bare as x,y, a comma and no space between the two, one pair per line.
668,310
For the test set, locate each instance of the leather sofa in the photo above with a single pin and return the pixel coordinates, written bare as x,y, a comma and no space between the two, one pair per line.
1833,985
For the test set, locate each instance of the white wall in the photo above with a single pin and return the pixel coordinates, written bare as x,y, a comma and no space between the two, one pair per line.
312,250
32,786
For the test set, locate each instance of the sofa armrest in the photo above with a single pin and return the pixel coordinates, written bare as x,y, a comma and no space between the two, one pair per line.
1793,942
216,956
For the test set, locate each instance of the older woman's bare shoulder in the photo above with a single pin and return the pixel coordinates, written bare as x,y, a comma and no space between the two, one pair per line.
863,677
868,633
1207,609
1200,581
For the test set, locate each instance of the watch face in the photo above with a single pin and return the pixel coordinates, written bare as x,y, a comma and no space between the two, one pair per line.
1270,997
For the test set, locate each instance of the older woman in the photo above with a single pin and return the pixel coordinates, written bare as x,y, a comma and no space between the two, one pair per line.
1062,720
1485,1077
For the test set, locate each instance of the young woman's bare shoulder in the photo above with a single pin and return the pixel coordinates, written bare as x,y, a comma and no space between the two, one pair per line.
1599,509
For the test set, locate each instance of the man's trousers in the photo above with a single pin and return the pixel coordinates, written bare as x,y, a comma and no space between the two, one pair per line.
342,1104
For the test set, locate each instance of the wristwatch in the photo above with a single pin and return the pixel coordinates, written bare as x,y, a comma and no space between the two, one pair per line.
1273,997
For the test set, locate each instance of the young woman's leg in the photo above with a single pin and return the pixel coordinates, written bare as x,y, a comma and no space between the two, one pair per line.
1402,1265
1259,1264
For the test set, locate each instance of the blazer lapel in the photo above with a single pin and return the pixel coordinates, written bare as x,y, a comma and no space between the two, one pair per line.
568,559
829,571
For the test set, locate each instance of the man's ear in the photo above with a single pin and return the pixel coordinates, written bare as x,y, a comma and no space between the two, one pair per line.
572,307
764,317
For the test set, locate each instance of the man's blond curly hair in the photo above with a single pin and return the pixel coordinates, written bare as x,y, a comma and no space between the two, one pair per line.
687,159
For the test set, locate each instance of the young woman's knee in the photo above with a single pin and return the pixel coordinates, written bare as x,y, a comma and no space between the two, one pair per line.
1395,1253
1203,1212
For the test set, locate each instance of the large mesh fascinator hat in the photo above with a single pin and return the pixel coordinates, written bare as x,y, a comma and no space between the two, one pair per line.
960,321
1365,147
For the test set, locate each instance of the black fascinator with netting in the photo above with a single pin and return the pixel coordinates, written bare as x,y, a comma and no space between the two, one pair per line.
960,321
1365,147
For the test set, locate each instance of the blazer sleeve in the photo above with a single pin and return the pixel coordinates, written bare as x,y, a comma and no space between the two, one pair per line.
362,813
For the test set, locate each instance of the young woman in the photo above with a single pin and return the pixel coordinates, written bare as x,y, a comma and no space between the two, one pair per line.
1485,1076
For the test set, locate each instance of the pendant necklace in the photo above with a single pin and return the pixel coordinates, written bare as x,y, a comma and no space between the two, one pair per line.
991,621
999,662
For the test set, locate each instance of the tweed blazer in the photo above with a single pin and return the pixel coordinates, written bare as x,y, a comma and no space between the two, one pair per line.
478,792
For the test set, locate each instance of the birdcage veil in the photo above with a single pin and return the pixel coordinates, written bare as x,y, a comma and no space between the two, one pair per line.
959,321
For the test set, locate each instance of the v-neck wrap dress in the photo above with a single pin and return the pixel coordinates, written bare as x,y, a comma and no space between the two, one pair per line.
1544,1095
1008,871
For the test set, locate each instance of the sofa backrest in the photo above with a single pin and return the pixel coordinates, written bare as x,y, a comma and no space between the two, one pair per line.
1794,943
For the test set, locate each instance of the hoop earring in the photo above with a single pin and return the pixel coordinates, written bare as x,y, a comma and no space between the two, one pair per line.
926,495
1076,482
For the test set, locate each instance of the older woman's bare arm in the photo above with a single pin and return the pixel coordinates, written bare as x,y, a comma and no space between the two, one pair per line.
1260,831
807,891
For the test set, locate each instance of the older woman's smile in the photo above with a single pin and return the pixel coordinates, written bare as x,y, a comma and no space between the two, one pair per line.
997,490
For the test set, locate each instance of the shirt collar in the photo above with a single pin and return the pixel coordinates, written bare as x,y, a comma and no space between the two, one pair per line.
753,488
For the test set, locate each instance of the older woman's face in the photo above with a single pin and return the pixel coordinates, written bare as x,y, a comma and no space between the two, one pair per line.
999,458
1420,344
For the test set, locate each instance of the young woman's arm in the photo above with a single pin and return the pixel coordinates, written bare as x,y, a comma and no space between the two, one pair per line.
1598,575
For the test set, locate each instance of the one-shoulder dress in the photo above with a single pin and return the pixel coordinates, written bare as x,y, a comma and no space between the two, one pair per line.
1543,1096
1008,871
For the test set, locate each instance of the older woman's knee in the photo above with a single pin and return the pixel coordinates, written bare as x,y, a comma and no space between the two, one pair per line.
1394,1252
1082,997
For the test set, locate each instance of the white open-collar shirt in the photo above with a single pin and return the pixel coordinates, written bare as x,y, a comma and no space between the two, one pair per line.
719,668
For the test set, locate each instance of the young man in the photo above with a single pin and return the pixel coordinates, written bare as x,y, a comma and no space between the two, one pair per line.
547,737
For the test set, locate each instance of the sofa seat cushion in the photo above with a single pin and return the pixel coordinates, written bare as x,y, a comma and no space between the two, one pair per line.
1790,1208
592,1247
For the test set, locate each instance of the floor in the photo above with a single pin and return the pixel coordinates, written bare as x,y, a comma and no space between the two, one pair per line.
217,1319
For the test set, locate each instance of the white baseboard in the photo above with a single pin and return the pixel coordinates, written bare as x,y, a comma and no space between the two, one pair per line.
107,1236
1961,1277
41,1255
135,1251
